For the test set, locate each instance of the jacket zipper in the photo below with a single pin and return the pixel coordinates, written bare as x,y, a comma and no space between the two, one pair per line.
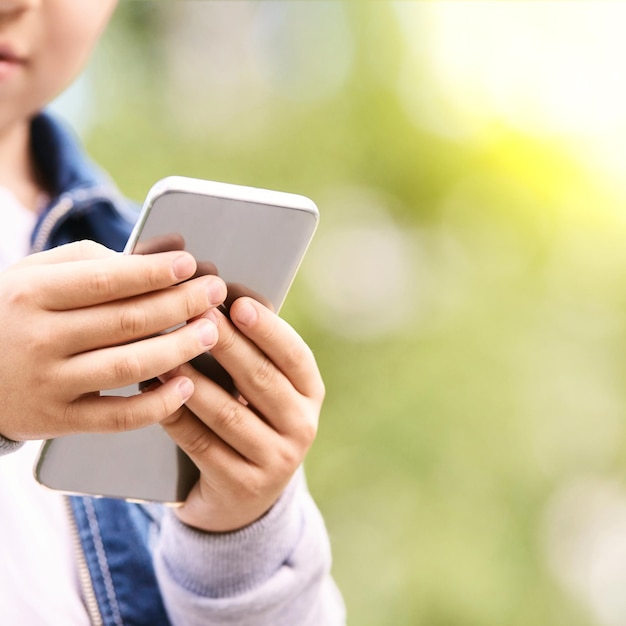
56,214
62,209
84,578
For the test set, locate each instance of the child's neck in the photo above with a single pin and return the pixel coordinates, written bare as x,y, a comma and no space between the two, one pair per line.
17,170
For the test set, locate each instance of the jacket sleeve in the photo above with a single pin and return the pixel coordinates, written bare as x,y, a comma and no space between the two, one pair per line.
275,572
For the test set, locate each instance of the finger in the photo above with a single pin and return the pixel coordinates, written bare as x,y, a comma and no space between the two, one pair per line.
281,343
135,318
110,368
210,453
75,251
117,414
257,378
228,418
77,284
227,480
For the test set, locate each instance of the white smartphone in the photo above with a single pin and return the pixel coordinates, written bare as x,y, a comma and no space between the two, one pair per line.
254,239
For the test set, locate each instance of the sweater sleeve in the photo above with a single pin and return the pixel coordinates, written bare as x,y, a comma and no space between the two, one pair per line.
275,572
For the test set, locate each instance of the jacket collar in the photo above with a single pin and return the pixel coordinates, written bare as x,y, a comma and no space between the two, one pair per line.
79,189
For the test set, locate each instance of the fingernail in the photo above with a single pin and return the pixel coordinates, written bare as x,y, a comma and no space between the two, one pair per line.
185,389
217,292
207,333
183,266
246,313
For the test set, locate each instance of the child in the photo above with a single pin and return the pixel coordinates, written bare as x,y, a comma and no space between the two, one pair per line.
248,546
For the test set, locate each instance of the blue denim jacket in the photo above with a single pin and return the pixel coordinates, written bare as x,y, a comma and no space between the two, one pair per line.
112,536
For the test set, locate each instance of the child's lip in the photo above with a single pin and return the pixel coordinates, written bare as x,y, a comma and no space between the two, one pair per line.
9,55
10,63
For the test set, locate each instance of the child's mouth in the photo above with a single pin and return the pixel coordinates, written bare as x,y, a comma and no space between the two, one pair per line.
9,62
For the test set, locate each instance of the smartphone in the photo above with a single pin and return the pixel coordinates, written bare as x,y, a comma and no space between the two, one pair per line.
254,239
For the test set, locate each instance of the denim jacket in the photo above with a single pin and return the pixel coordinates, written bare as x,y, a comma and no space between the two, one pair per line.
138,564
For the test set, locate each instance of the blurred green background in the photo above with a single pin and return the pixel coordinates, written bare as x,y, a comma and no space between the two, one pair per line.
466,292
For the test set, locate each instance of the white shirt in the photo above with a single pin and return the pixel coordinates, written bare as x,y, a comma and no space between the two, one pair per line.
38,576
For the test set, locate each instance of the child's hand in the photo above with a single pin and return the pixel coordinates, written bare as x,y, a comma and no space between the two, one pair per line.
70,319
247,450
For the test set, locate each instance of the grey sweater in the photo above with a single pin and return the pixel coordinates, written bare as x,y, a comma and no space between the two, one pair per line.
275,572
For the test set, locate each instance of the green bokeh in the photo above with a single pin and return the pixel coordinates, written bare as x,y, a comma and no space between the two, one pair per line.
444,437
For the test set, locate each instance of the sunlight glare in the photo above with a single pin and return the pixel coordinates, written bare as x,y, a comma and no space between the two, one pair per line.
552,69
